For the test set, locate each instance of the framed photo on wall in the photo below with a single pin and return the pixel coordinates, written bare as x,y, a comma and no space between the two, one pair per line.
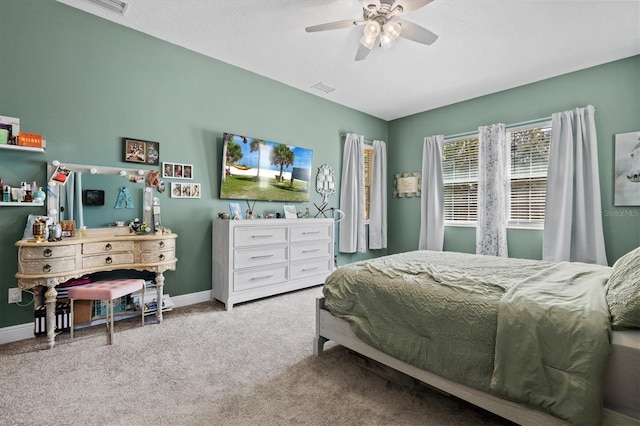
185,190
139,151
177,171
407,184
627,158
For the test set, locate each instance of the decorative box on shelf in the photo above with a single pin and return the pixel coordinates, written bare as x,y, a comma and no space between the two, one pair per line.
31,140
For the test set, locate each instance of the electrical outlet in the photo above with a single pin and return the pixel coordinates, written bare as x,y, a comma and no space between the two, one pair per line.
15,295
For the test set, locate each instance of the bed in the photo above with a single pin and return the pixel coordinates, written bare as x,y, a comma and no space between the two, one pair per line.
532,341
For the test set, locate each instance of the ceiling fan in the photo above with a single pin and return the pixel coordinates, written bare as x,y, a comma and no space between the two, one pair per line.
381,22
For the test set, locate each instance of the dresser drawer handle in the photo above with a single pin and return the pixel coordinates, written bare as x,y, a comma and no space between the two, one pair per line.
162,257
46,268
263,277
47,253
108,247
108,260
309,269
161,244
310,251
262,236
264,256
310,232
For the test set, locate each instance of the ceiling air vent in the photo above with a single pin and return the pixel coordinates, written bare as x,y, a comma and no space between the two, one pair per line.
323,87
116,6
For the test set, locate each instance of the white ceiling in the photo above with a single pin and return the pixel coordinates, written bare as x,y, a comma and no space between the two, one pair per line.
484,46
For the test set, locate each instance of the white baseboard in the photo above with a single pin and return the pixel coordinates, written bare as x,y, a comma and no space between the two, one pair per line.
191,298
16,332
25,331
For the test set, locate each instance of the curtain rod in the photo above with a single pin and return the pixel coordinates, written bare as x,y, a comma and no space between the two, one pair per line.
344,135
508,126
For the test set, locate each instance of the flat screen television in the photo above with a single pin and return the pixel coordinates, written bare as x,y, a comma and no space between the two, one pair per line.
259,169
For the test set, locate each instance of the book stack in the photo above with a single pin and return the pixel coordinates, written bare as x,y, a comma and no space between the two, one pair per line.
151,299
120,304
62,318
9,130
63,288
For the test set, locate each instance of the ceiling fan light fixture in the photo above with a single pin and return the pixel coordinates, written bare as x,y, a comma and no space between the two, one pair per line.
368,39
372,29
390,32
386,41
392,29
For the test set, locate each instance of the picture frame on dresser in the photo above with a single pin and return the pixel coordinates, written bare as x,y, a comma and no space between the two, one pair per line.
290,211
235,212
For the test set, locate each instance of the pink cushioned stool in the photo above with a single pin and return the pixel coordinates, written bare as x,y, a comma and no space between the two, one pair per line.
106,290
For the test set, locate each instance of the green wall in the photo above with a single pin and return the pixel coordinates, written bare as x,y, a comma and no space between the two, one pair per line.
85,83
613,88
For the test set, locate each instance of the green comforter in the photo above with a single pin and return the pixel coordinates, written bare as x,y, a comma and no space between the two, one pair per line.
552,341
440,311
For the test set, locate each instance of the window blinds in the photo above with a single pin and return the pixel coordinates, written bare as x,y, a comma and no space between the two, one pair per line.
529,163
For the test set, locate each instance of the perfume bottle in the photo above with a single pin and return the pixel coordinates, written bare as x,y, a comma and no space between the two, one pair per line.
39,195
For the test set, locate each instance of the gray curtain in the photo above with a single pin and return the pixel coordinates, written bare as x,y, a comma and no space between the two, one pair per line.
378,202
573,216
493,190
432,202
352,230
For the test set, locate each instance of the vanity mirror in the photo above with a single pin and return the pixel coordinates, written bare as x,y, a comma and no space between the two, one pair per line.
123,187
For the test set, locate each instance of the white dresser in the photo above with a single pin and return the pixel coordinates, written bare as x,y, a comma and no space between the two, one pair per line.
263,257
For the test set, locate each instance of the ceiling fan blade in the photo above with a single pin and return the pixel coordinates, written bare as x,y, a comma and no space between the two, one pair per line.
409,5
334,25
415,32
362,52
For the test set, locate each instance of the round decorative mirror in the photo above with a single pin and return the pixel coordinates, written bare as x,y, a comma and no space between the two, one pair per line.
325,181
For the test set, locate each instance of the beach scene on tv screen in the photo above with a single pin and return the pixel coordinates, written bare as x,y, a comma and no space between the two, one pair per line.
259,169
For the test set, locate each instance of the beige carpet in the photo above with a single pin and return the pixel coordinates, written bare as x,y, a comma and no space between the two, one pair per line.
253,365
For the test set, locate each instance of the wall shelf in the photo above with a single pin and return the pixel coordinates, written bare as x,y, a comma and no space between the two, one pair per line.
22,204
21,148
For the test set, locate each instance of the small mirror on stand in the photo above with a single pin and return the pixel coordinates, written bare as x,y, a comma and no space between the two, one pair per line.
325,186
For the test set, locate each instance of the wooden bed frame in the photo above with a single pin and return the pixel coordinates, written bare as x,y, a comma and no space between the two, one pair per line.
329,327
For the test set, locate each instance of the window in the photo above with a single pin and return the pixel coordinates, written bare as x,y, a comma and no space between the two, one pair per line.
368,170
529,163
460,177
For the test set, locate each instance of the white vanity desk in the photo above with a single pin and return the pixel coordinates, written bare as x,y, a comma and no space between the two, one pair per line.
47,264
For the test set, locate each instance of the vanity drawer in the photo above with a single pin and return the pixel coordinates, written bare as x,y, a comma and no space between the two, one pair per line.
247,258
253,278
49,252
310,250
310,231
106,260
304,268
44,267
157,256
157,246
247,236
107,247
